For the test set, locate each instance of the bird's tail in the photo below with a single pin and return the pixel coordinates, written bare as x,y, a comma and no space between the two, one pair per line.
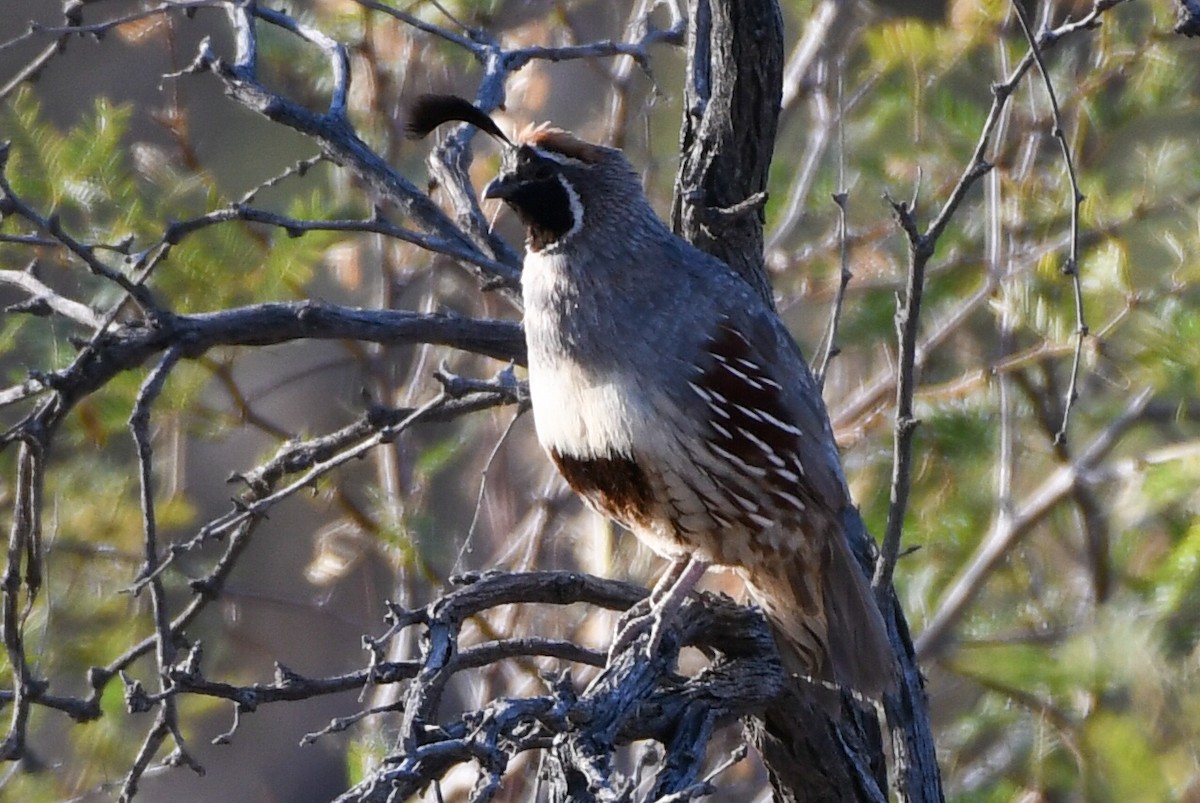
825,618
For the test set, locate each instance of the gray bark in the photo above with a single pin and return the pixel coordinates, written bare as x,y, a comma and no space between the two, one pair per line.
730,115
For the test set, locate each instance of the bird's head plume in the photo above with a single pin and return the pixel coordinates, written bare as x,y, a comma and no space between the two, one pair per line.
430,111
549,176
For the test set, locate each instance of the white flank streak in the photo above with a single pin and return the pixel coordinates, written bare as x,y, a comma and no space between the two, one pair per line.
740,336
750,413
790,476
793,500
761,521
762,444
754,471
724,432
719,410
786,427
744,503
749,380
701,392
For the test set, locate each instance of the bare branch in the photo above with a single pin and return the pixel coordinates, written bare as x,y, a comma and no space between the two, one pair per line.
921,249
24,547
332,131
832,349
167,722
265,324
1071,268
43,300
1007,531
631,699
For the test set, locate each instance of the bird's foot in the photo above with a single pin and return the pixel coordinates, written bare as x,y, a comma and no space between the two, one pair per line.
656,612
632,625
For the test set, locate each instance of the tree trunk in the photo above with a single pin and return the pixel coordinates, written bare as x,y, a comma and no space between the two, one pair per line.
730,115
731,110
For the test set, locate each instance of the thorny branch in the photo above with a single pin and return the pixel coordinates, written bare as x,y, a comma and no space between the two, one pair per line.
293,458
126,347
841,198
1071,268
167,720
921,247
869,403
24,548
631,699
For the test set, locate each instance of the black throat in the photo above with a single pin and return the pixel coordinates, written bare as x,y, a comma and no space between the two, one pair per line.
545,208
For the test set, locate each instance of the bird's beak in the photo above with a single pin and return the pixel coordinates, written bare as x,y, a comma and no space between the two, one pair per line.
501,186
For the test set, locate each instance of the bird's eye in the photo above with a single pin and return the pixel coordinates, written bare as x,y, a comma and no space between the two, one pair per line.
543,172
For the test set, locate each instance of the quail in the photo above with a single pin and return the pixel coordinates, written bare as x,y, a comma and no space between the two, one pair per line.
673,399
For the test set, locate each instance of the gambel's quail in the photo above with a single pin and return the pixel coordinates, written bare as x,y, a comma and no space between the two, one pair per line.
672,399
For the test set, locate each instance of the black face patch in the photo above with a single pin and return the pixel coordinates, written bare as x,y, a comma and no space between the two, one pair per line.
545,208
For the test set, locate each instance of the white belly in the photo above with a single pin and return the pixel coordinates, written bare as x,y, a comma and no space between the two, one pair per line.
577,411
581,414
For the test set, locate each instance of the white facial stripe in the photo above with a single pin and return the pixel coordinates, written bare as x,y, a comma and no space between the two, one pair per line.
576,217
555,156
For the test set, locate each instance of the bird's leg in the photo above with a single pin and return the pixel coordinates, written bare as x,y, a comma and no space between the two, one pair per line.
670,600
665,600
640,611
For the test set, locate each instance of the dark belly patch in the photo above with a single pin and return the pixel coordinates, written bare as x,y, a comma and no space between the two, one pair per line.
615,485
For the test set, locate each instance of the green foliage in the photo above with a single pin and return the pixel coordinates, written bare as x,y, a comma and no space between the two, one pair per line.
78,174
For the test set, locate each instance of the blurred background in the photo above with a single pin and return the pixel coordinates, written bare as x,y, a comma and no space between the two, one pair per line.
1053,588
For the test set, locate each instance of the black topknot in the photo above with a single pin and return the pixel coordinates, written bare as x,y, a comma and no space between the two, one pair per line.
430,111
